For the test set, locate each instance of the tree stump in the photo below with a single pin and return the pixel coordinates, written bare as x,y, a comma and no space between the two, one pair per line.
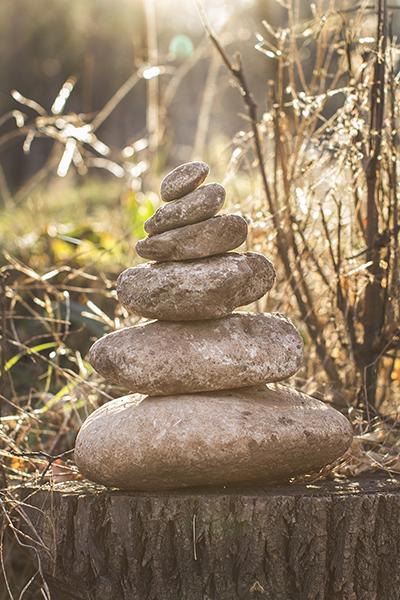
321,541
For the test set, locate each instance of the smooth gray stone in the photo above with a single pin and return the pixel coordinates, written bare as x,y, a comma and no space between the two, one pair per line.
213,236
265,435
183,180
197,206
165,357
207,288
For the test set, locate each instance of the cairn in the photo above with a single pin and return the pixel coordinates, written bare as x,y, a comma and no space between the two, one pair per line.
203,409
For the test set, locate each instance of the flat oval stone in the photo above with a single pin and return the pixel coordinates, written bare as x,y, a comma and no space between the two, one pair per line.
261,435
183,180
213,236
165,357
197,206
207,288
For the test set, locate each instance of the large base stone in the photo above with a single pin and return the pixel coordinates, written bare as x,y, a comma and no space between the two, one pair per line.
256,435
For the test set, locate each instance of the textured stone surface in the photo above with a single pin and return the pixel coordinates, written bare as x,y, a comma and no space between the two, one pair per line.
183,179
162,357
264,435
198,289
213,236
197,206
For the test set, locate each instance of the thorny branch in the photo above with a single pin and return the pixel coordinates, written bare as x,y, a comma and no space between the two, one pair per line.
41,454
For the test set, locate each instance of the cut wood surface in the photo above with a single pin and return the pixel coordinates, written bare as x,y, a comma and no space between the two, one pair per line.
321,541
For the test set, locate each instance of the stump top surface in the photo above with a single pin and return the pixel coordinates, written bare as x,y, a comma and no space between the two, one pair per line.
324,540
370,483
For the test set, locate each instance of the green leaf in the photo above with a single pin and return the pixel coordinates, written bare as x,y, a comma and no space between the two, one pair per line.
34,350
53,401
139,209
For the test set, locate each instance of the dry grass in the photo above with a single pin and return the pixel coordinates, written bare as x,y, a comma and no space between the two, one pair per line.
316,174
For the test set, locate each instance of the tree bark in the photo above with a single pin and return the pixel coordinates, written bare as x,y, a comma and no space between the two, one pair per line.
322,541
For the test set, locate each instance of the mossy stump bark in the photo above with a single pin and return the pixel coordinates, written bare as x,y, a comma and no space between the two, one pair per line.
322,541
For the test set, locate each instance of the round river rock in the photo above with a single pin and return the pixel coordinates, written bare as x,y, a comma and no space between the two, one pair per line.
197,206
165,357
207,288
260,435
213,236
183,179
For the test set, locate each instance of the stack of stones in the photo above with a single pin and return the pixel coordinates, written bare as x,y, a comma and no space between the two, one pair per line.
202,412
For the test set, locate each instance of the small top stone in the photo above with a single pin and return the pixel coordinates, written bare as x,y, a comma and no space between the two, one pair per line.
183,180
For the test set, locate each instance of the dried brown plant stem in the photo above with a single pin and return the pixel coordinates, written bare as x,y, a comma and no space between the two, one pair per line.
50,458
3,348
205,108
119,95
153,94
373,317
298,283
393,288
5,194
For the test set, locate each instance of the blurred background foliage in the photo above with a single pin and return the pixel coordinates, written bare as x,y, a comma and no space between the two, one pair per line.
100,43
65,65
98,100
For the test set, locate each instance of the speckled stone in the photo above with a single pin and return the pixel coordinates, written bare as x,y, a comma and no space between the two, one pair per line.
256,435
163,357
213,236
207,288
183,180
197,206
